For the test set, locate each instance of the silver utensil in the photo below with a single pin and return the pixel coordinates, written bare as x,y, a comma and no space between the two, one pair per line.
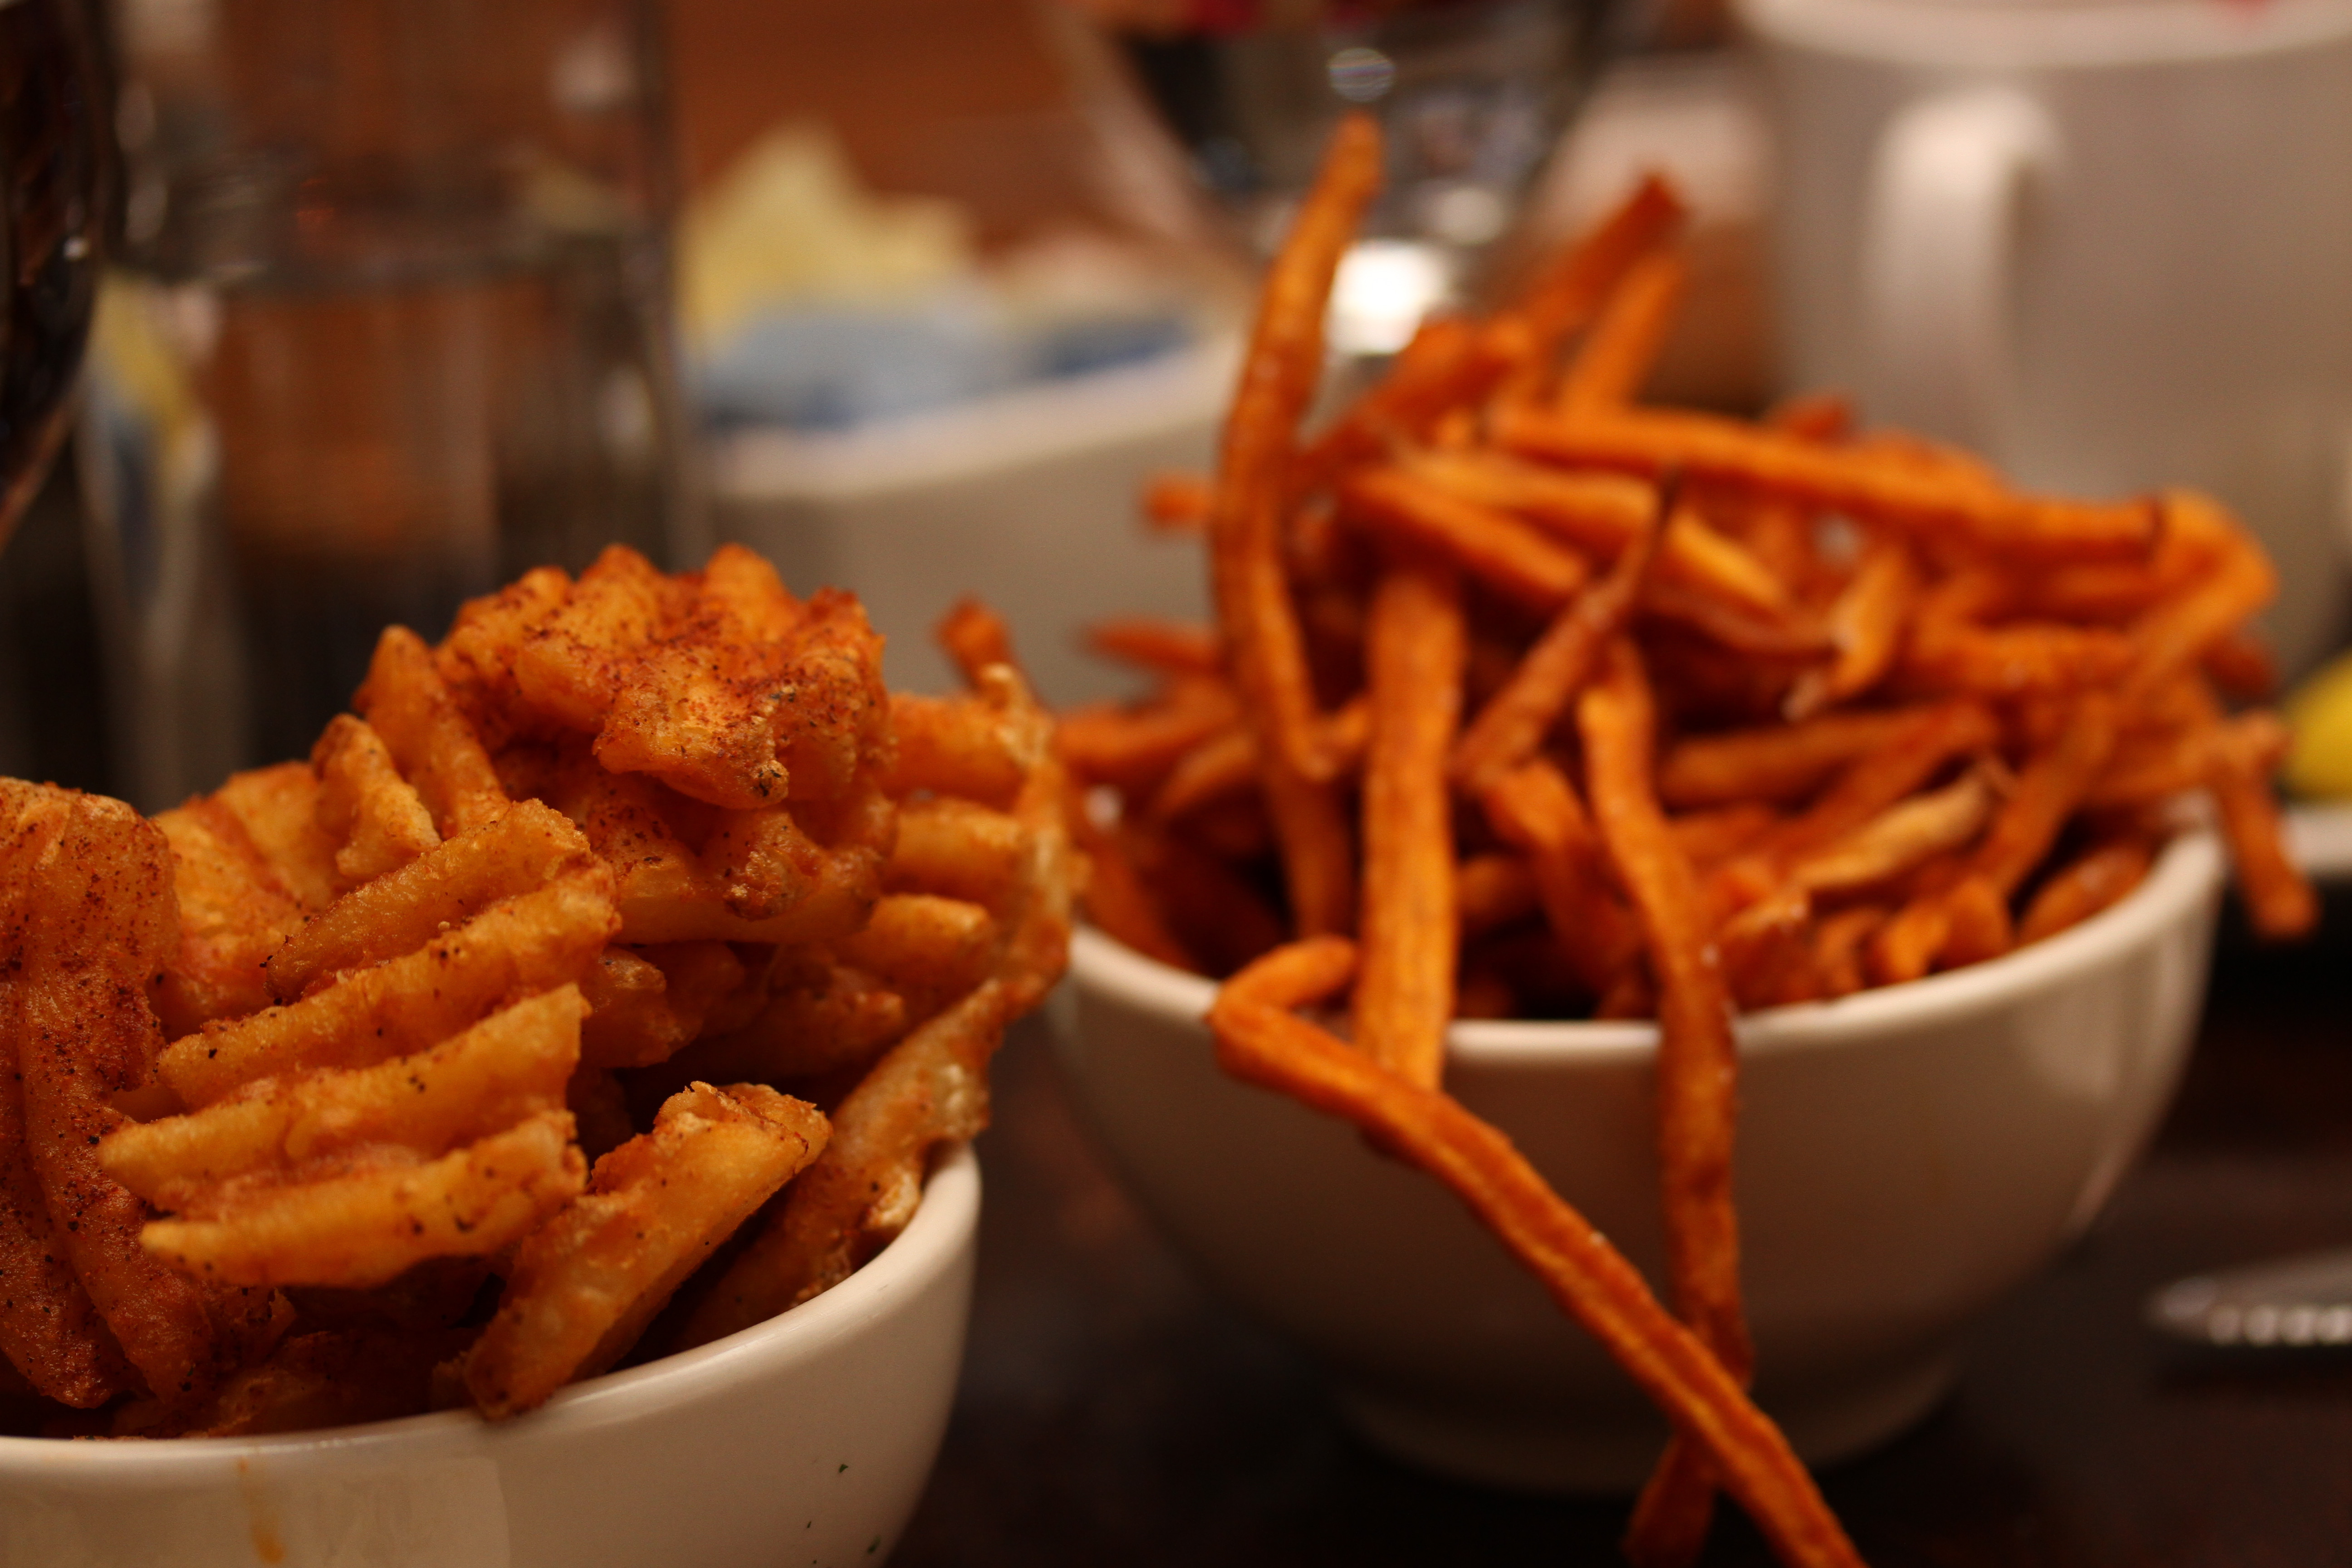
2301,1301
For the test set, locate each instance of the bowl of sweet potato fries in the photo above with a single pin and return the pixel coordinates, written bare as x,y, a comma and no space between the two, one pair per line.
532,1129
1761,869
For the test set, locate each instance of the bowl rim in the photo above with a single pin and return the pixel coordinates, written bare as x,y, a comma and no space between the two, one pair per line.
2187,873
918,1259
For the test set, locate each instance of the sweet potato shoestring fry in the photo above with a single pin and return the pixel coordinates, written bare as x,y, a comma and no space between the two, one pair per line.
1418,644
1253,494
1259,1042
1698,1060
1615,357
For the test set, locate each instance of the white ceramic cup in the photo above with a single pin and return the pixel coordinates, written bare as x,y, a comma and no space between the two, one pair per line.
2108,243
1907,1157
806,1438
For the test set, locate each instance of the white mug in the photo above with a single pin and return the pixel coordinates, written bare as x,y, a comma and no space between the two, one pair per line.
2108,243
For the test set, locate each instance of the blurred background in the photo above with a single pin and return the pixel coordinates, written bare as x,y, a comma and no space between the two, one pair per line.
911,295
950,277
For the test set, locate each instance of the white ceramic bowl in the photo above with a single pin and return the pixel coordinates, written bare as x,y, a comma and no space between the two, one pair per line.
805,1439
1905,1157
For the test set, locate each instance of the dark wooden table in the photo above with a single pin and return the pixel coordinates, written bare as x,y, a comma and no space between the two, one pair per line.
1112,1411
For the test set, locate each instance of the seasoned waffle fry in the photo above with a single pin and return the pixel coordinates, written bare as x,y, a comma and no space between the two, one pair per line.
366,806
585,1285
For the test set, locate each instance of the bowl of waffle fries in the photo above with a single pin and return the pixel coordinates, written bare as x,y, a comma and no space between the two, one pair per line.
531,1130
1758,871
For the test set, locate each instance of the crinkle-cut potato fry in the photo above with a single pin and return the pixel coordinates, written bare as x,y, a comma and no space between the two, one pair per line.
536,941
234,912
506,1069
584,1286
407,703
569,664
651,1001
280,809
821,1016
374,1222
449,884
97,913
376,816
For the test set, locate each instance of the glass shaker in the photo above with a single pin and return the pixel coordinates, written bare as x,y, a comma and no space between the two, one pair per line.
387,324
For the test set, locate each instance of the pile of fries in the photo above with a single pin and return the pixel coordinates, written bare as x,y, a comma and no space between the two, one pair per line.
450,1066
1563,706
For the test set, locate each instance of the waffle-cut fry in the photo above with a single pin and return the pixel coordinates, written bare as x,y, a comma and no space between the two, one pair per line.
1512,557
1259,1044
278,809
447,885
1512,725
1133,750
333,1378
1777,763
1170,647
1178,503
1866,626
235,911
584,1286
97,888
477,659
1901,838
376,816
649,1002
1404,993
1616,356
697,708
1533,809
1861,483
951,745
928,1089
2091,881
535,942
831,711
921,943
369,1225
1254,482
973,636
820,1018
776,883
955,847
1595,514
507,1068
570,665
407,703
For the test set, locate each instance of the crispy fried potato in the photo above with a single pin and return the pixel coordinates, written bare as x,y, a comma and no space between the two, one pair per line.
584,1286
535,942
651,1001
373,1223
375,816
512,853
508,1068
278,808
410,706
571,663
234,912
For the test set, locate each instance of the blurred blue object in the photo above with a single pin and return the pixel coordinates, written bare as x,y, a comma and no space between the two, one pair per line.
835,365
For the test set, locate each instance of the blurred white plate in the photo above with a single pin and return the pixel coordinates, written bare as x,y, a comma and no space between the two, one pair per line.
2319,838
